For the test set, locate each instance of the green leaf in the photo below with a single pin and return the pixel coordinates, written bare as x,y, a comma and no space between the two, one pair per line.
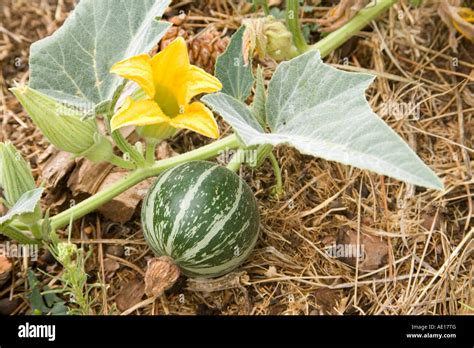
236,77
26,204
46,302
258,105
322,111
73,64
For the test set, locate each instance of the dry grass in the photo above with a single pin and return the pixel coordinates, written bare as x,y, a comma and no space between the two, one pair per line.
429,235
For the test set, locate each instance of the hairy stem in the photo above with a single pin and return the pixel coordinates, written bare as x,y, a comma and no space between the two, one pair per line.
128,149
292,20
236,161
150,150
277,172
133,178
120,162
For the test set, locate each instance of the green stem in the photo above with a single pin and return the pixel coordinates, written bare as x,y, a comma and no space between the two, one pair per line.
129,149
150,150
117,137
277,172
15,234
360,20
236,161
36,230
120,162
102,197
264,5
293,22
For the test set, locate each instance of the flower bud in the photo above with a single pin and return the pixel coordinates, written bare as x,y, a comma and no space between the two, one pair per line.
279,40
61,124
268,36
15,174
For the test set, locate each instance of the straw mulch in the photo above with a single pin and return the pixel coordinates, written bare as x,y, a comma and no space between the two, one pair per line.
418,243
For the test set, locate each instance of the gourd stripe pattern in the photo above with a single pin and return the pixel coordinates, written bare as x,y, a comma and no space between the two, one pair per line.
203,216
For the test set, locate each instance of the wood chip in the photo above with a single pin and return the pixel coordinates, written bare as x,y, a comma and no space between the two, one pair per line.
88,176
121,208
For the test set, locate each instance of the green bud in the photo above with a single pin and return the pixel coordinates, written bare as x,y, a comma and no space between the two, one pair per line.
15,174
268,36
279,40
61,124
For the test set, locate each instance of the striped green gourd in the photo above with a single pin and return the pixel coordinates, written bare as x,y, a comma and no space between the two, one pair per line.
203,216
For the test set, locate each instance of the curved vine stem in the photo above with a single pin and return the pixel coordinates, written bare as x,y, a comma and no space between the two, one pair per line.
344,33
135,177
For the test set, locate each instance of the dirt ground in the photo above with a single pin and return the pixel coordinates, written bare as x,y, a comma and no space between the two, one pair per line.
418,243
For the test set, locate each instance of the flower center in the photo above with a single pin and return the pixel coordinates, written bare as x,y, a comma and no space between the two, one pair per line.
167,101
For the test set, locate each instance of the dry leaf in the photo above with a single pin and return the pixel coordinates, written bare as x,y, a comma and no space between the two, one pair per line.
374,250
160,275
457,18
88,176
340,14
327,300
130,294
110,267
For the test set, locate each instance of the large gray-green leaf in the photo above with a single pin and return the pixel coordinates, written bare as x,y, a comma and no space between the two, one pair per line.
73,64
323,112
231,70
26,204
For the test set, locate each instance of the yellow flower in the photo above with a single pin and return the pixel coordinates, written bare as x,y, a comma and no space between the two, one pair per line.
169,82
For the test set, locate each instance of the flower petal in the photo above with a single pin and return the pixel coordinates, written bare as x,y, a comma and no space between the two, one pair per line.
138,69
138,113
170,68
197,118
199,81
